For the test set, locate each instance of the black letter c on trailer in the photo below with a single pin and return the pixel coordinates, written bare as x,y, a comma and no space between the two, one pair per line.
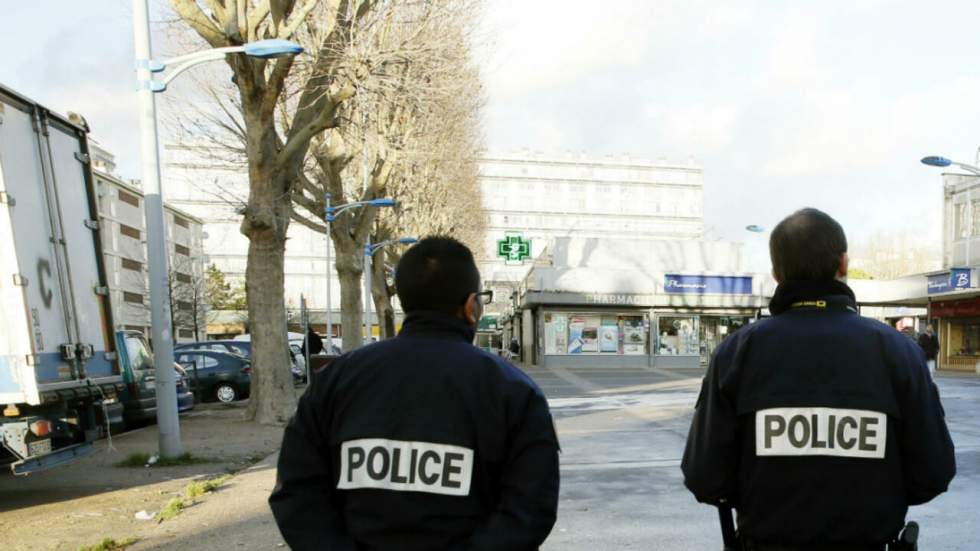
43,266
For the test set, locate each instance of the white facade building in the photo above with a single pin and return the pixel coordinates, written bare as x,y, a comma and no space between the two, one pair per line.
540,198
122,220
532,196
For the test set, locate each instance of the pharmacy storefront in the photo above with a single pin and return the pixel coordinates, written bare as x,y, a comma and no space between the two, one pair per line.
679,325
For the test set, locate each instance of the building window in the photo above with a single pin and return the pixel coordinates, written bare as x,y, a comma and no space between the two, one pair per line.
128,264
180,249
962,222
975,206
186,333
182,222
678,336
129,231
184,305
133,298
129,198
594,333
183,278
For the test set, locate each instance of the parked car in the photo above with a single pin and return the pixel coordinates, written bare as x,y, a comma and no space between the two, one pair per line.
241,348
216,375
140,399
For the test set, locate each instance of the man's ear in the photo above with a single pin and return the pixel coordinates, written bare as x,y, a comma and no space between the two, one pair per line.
776,277
842,270
471,310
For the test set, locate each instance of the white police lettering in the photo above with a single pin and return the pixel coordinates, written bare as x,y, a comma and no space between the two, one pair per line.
821,431
405,466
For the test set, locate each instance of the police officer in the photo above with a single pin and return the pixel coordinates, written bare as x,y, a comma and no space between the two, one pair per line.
423,441
818,425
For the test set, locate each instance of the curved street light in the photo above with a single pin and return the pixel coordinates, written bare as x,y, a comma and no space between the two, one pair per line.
942,162
146,68
369,251
755,228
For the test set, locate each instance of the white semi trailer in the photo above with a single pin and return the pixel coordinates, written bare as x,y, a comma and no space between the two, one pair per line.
60,378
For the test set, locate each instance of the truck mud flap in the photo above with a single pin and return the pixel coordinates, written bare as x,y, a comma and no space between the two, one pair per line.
50,460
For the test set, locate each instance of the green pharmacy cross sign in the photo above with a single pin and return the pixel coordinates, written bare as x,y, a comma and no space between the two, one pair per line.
514,248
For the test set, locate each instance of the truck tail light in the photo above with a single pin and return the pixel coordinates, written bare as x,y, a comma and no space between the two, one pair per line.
247,370
41,427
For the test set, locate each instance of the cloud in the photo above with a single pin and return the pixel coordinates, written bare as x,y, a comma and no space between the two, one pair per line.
698,128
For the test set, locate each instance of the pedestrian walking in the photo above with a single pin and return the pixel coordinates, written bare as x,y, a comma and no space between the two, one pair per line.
515,349
423,441
930,346
820,427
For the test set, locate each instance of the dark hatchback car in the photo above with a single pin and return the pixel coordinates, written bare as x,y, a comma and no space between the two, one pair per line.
214,375
242,348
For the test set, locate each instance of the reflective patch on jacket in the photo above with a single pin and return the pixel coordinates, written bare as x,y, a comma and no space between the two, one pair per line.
405,466
820,431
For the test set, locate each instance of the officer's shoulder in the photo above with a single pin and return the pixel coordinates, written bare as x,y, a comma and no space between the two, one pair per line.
742,334
495,366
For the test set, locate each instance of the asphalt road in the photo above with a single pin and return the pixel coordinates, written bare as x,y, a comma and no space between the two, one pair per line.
623,433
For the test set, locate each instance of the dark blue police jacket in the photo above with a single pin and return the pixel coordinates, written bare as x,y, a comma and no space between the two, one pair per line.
423,441
819,425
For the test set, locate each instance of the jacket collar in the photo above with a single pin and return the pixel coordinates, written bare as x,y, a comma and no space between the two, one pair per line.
790,292
436,324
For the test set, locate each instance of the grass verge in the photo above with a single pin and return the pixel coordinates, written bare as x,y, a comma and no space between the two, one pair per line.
110,544
134,460
171,509
192,491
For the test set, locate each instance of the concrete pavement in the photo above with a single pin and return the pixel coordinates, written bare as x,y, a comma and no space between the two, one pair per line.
623,433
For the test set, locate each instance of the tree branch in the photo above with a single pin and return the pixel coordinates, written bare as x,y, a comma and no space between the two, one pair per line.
277,81
189,11
298,16
256,17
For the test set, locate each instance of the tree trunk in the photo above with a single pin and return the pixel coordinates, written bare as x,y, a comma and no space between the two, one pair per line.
350,268
273,397
381,296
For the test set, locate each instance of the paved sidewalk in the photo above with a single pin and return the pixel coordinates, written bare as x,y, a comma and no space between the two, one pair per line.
235,517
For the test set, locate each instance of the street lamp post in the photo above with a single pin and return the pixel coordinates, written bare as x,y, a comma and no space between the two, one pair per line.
330,214
326,219
369,251
146,66
942,162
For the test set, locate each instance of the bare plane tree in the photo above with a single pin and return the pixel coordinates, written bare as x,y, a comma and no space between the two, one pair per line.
413,137
283,105
344,118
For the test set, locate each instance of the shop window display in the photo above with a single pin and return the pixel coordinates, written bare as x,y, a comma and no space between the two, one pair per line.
594,334
679,336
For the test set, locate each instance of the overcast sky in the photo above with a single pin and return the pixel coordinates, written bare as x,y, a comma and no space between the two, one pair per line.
784,104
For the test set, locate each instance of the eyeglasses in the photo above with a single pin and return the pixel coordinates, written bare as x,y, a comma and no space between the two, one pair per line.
484,297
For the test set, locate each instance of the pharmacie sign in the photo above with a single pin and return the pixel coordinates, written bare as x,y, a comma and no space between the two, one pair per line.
957,278
707,285
514,248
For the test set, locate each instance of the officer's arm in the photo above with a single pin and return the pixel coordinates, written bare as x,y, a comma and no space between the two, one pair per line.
528,502
928,461
304,501
711,454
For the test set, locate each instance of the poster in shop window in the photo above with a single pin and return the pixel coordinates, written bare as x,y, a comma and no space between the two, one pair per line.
590,334
608,335
634,337
554,334
576,326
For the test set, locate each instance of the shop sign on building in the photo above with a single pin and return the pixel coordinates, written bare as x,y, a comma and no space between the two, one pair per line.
514,248
609,298
957,278
488,323
707,285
